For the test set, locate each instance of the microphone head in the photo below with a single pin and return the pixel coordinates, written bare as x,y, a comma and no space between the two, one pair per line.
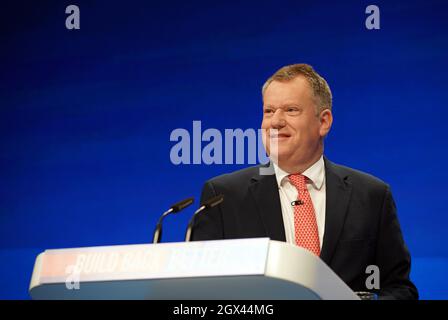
182,205
212,202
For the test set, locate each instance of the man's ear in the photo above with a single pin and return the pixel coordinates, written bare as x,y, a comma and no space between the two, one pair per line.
326,120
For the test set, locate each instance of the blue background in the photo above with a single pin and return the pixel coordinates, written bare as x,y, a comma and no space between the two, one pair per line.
86,115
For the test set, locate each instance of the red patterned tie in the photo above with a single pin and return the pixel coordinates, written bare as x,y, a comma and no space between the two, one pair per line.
305,225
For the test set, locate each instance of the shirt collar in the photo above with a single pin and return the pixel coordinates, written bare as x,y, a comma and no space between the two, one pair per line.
315,173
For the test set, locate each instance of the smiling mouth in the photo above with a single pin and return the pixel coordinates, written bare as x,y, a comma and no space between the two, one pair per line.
279,136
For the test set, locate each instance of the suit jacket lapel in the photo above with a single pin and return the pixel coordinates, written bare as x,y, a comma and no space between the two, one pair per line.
338,190
265,192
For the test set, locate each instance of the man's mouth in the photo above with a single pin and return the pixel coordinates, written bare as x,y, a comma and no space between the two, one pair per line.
279,136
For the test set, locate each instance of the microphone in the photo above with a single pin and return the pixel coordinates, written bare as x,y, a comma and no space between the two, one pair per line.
173,209
210,203
296,203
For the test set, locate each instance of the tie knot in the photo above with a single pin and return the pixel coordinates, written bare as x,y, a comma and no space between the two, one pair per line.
298,181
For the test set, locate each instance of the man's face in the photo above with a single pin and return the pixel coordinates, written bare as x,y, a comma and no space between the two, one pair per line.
289,107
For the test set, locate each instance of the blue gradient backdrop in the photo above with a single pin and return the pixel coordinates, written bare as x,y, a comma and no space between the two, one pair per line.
86,116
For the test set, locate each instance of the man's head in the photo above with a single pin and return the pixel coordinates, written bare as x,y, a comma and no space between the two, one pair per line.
297,105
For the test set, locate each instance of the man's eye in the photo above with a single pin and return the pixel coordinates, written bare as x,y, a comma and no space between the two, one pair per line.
292,110
268,111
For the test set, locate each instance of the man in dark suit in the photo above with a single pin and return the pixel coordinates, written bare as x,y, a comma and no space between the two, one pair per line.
346,217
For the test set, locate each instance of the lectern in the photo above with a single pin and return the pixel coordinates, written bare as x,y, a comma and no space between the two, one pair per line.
250,269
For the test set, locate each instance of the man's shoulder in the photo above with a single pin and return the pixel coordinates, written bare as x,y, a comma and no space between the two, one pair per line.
236,177
356,176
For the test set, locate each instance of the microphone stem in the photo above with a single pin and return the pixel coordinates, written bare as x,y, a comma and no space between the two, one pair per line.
191,223
158,231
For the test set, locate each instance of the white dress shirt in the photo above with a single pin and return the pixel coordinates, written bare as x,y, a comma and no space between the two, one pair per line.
288,193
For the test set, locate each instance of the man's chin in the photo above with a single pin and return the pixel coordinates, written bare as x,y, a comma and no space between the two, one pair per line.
281,158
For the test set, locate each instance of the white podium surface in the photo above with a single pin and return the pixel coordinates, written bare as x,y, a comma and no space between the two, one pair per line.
252,269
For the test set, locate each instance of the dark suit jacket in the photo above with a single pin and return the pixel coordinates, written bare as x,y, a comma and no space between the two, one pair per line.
361,225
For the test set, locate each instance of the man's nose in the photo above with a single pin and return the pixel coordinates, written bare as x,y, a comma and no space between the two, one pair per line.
278,120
